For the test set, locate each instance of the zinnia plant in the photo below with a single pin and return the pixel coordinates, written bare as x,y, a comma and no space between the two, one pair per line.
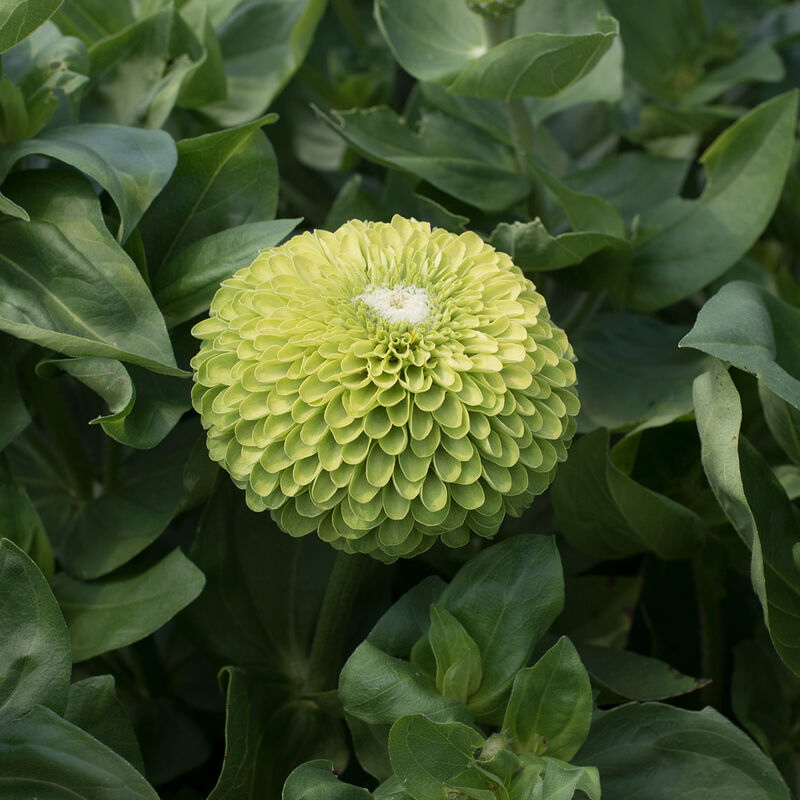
385,385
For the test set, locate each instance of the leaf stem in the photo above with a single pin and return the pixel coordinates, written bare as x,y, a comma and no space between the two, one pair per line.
326,649
523,135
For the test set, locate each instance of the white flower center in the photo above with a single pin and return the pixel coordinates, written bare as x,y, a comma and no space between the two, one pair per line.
398,304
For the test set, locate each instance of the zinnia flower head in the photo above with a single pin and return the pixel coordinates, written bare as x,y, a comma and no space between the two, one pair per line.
494,8
385,385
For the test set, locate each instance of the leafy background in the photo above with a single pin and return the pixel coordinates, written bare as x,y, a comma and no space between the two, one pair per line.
638,161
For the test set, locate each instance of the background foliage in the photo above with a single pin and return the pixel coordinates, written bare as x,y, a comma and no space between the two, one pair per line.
639,162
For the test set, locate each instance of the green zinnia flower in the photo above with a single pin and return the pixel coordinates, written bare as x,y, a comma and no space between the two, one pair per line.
385,385
494,8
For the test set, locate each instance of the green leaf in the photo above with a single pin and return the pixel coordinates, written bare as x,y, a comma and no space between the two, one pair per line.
752,329
185,285
42,755
14,415
222,180
783,420
316,781
34,642
694,241
263,43
93,536
20,18
656,752
132,165
532,248
632,374
264,588
379,689
67,284
138,71
537,64
94,707
764,697
634,676
598,609
90,20
550,708
506,597
141,413
756,505
205,82
268,732
20,523
126,606
430,758
617,516
552,779
458,660
458,160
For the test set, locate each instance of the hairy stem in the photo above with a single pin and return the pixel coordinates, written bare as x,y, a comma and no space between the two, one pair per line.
326,649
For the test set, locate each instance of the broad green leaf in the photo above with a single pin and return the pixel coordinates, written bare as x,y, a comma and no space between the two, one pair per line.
764,695
552,779
506,597
431,758
633,182
143,406
597,609
657,752
137,72
20,18
263,591
617,516
755,331
632,374
585,212
316,780
457,160
185,285
268,732
537,64
550,708
14,415
68,285
533,249
694,241
408,619
783,420
48,68
205,82
20,523
634,676
458,660
42,755
379,689
263,43
132,165
756,64
756,505
94,707
127,605
94,535
34,642
222,180
91,20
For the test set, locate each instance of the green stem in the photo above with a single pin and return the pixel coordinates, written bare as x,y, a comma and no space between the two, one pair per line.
326,649
711,641
523,135
351,21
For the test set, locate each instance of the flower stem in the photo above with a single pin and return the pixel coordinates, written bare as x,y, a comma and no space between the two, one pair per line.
326,649
498,30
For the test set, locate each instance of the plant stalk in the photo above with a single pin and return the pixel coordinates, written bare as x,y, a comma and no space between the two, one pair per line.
523,136
326,649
